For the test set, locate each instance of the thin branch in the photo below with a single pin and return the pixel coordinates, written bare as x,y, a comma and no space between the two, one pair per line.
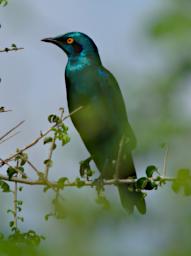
22,181
52,145
11,130
16,169
11,49
3,110
34,168
15,205
42,135
165,161
8,138
75,184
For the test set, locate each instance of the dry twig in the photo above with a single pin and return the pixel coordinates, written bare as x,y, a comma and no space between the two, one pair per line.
7,49
42,135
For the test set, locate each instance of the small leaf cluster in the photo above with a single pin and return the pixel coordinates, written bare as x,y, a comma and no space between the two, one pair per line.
61,182
21,160
148,182
57,201
48,163
101,198
79,183
58,208
29,238
60,131
85,169
14,212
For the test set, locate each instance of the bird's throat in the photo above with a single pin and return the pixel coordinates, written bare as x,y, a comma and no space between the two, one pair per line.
77,63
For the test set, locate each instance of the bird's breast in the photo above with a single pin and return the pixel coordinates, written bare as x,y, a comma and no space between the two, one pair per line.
91,121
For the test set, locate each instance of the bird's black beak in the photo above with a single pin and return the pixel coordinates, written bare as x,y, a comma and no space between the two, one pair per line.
49,40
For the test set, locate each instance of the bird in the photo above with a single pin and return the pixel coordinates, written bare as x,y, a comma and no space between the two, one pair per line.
102,123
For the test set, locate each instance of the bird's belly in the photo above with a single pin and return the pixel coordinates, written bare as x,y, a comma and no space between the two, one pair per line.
98,129
99,137
90,121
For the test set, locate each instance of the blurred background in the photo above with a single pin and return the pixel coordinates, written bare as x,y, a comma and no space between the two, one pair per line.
147,46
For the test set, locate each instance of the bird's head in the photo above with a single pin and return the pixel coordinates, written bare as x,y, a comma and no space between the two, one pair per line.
74,44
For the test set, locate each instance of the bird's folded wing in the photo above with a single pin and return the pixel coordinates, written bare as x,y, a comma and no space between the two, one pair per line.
114,104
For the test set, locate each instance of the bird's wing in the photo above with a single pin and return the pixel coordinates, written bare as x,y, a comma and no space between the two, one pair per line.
114,103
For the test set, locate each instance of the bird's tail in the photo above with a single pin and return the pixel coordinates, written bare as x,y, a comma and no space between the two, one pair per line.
129,197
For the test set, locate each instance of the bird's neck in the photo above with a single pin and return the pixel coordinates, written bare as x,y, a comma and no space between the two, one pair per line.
83,60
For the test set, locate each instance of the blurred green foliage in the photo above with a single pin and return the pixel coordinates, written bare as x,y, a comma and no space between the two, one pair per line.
165,116
3,2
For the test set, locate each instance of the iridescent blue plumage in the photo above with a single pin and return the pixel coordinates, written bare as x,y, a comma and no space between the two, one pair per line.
102,123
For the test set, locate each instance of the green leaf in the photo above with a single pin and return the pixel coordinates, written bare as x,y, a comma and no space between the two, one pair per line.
48,162
11,224
182,182
4,186
47,216
11,172
90,172
21,219
19,208
54,119
183,174
24,158
65,139
48,140
64,128
85,167
11,211
79,183
176,186
142,183
151,169
61,182
21,157
46,188
19,202
151,185
59,209
32,237
146,183
21,169
102,200
99,184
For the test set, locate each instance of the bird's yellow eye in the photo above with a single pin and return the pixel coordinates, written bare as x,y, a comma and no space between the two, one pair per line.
70,40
